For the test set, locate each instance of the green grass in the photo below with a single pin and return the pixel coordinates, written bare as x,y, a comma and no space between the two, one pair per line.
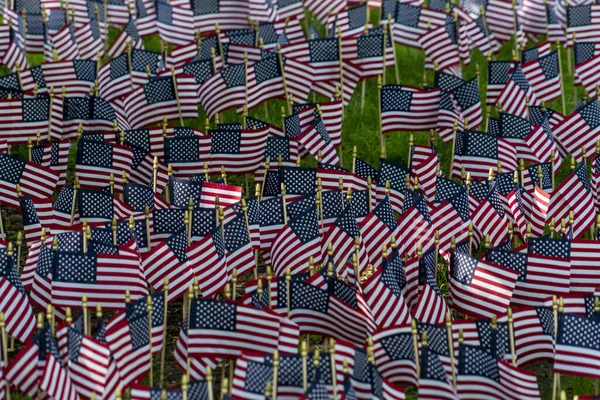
361,129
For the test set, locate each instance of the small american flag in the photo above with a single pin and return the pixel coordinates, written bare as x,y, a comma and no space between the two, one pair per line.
19,318
55,380
77,75
543,75
127,335
396,175
252,373
583,20
36,213
239,152
231,81
297,241
408,109
513,97
395,356
91,113
162,92
433,380
88,362
576,347
440,48
498,76
480,372
579,130
33,179
103,278
173,23
534,334
225,329
480,151
129,34
238,246
98,206
376,230
472,293
489,218
97,160
411,21
29,115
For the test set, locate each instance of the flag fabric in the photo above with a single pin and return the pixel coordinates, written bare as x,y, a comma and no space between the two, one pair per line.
28,115
408,109
376,230
433,380
579,130
33,179
498,77
440,49
534,334
170,94
173,23
54,377
36,213
543,75
480,373
129,338
239,152
231,82
479,288
395,356
513,98
489,218
208,261
103,278
96,161
582,20
480,151
298,240
412,21
86,113
575,351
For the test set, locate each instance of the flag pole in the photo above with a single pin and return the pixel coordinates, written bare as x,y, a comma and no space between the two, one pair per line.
382,138
269,276
245,211
174,77
285,88
511,334
154,173
288,284
364,82
149,309
73,202
514,11
415,336
165,316
4,351
454,133
50,106
303,355
555,311
341,59
451,345
148,235
391,36
383,67
560,74
190,217
275,373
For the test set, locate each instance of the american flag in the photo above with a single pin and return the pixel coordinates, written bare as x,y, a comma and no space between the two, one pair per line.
298,240
229,14
440,48
408,109
431,307
97,160
451,204
187,154
129,34
89,38
127,335
55,379
490,218
342,236
415,225
88,362
98,206
103,278
89,113
500,20
252,373
165,92
324,57
426,173
125,72
518,209
376,230
367,51
173,23
231,82
543,74
579,130
238,246
323,10
480,373
396,174
239,152
534,334
412,21
77,75
168,259
264,82
53,154
195,389
313,136
323,313
583,20
384,292
539,211
576,347
541,143
395,356
481,151
479,288
33,179
63,41
26,116
433,379
498,76
466,96
19,318
37,213
226,329
513,97
574,194
24,369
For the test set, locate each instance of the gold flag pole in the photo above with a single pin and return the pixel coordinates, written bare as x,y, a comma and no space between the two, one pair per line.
303,355
73,202
4,352
149,309
511,334
165,316
560,75
415,336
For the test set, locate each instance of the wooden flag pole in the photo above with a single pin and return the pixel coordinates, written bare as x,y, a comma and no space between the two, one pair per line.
50,107
415,336
154,173
303,355
390,27
454,133
381,137
148,235
383,67
288,284
560,75
73,201
191,218
275,375
511,334
190,299
174,77
184,386
245,211
514,10
569,66
485,28
149,309
209,382
364,82
451,345
4,352
341,60
86,319
281,69
555,384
